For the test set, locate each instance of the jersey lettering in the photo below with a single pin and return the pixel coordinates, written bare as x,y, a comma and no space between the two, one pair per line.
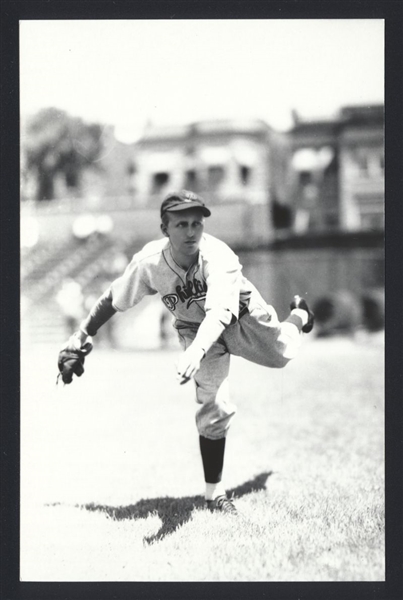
192,291
170,301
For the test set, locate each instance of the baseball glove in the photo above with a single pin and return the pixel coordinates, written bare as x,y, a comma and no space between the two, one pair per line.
71,361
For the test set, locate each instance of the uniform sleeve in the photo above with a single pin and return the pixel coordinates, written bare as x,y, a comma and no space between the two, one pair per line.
99,314
133,285
223,277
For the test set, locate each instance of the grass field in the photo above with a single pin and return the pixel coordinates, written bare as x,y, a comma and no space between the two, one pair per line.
111,478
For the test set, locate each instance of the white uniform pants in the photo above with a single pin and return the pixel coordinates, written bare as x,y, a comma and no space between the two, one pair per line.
258,336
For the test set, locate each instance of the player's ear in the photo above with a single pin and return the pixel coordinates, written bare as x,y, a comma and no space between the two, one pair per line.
164,229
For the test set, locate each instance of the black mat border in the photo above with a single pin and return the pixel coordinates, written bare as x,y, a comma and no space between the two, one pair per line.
11,13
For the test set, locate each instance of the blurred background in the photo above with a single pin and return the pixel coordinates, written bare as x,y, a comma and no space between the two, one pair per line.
278,124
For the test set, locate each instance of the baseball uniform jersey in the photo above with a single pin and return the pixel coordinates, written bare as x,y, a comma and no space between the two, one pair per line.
216,307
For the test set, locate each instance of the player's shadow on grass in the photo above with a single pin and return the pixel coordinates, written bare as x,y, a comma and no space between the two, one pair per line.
173,512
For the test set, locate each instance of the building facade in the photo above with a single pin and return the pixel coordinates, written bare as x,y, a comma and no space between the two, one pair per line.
362,168
338,171
321,176
225,160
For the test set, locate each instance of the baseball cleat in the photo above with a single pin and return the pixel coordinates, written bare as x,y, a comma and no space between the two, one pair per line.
222,504
299,302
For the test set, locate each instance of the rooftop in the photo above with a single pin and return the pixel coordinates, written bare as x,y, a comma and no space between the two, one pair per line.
169,132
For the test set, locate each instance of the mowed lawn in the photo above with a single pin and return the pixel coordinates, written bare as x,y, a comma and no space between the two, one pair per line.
112,484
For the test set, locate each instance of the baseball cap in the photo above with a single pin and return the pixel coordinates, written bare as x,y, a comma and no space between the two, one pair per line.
183,200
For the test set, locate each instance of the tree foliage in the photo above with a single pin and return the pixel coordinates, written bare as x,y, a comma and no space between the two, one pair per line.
57,144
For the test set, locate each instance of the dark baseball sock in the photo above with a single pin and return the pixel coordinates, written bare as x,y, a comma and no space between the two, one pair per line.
212,453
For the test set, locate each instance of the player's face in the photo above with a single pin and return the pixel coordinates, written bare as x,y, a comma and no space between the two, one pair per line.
185,229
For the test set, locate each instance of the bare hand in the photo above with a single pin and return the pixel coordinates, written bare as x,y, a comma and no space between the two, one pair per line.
189,364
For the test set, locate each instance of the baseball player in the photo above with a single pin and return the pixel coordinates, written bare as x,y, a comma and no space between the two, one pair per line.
217,312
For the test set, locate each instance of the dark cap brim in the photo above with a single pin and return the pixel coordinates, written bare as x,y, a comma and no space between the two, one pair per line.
187,206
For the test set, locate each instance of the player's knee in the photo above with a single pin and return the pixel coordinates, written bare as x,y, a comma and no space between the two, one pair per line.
284,350
214,419
213,433
216,430
277,358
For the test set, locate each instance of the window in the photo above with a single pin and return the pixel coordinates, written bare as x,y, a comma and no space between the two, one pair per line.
362,163
215,176
331,220
130,168
372,221
305,178
245,174
371,209
158,181
281,215
190,180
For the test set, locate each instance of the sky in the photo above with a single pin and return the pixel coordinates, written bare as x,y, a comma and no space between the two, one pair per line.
174,72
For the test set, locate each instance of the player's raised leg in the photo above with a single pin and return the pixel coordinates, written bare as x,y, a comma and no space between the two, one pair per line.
259,335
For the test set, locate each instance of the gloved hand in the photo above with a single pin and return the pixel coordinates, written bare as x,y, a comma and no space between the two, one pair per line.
71,358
